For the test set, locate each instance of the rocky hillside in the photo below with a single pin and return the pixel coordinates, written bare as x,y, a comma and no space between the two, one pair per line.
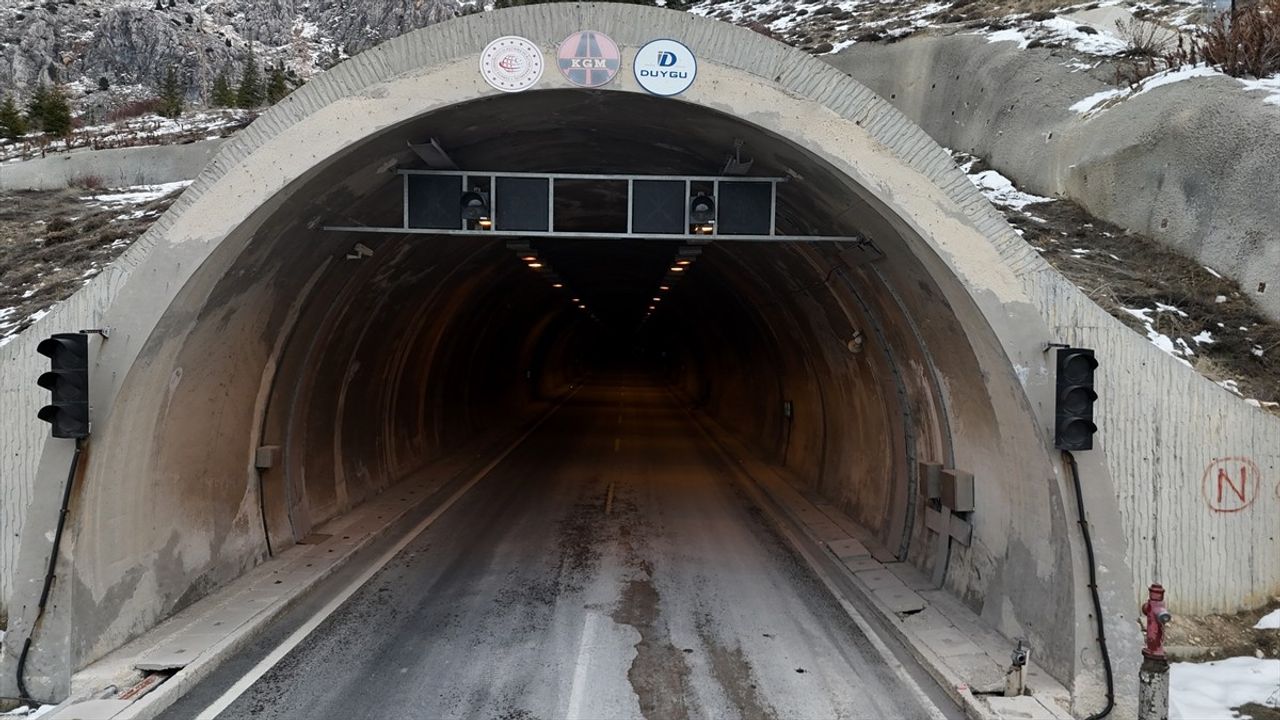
125,46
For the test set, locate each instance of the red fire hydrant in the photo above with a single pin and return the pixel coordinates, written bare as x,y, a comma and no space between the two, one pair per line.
1157,615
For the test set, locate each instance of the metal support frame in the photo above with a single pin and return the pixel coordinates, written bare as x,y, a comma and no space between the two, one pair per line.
466,177
500,234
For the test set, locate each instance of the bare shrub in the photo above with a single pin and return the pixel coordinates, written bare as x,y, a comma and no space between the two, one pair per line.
1245,44
1143,38
135,108
88,182
1133,71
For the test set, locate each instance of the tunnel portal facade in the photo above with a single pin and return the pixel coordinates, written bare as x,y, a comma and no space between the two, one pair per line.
265,374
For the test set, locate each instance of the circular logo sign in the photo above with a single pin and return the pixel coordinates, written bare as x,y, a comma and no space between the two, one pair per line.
589,58
665,67
511,64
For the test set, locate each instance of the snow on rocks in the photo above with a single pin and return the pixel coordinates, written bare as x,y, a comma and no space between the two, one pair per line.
136,195
1000,190
1203,691
1082,37
1179,350
1104,99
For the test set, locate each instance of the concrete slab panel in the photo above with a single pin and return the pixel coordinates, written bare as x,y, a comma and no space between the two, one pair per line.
980,671
179,651
949,642
900,600
847,548
827,531
880,578
861,562
1019,708
911,576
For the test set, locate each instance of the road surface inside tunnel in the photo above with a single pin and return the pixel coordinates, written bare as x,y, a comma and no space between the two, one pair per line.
609,567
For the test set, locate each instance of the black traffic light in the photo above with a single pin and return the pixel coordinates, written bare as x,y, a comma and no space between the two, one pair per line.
68,381
1074,426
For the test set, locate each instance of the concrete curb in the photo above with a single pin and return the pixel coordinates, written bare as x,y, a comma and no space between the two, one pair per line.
374,520
841,579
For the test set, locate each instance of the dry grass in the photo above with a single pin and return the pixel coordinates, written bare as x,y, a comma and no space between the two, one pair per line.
1119,269
52,242
1208,637
1244,45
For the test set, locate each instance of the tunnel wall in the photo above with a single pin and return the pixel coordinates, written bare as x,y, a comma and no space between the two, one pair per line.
1154,164
1002,304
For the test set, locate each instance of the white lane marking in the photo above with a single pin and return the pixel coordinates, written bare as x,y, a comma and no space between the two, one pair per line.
577,691
244,683
617,444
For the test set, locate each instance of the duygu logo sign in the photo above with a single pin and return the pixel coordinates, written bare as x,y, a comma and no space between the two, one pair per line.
665,67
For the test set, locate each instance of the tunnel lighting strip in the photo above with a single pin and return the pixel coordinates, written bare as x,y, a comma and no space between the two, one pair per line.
516,234
680,263
527,255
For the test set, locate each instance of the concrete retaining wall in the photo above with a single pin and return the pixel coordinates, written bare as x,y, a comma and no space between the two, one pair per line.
118,167
1193,164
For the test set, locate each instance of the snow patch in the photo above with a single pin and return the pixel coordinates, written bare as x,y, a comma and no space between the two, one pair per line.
139,194
1000,190
1270,621
1104,99
1270,85
1198,691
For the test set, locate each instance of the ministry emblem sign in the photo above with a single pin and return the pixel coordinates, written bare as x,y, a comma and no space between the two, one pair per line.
589,59
511,64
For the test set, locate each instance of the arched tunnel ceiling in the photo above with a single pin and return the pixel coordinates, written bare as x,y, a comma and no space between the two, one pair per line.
603,132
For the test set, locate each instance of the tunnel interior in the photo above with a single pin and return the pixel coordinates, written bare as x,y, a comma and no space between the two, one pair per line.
848,369
779,342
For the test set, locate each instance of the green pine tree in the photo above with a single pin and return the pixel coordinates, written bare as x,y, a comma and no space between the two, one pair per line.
222,95
12,124
277,86
172,94
56,116
36,106
250,93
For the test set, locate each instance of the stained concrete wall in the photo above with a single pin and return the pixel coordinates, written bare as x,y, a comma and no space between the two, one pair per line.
1187,164
117,167
1004,302
1192,164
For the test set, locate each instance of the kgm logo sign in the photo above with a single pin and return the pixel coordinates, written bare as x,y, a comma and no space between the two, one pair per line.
665,67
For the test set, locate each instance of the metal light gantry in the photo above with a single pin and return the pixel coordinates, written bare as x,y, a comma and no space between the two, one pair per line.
467,180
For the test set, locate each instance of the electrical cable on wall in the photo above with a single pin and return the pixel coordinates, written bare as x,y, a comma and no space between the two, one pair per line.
1093,589
48,578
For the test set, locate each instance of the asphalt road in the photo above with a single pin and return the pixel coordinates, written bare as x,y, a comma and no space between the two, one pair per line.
608,568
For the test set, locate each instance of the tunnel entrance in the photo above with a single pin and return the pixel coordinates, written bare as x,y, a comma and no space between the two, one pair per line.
417,339
268,375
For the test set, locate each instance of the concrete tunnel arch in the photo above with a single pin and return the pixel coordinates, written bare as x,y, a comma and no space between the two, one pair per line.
238,323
